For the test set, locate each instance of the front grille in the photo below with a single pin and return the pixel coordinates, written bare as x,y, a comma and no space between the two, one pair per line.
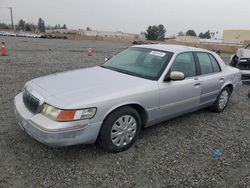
244,65
245,78
247,60
31,102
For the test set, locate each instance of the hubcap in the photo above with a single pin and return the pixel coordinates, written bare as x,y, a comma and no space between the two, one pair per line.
123,130
223,99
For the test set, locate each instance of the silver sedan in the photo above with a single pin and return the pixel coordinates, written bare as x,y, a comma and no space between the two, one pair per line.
109,104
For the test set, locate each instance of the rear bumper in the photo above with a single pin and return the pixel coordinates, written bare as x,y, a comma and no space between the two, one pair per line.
51,133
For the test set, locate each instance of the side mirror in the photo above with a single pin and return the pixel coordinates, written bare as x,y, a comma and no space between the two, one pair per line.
106,59
176,75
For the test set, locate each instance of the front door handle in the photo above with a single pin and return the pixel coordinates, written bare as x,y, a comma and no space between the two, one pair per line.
197,84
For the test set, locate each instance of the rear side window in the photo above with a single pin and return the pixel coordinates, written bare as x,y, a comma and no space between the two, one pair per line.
215,64
205,63
185,63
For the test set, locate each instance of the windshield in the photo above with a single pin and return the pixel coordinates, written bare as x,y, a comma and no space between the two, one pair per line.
141,62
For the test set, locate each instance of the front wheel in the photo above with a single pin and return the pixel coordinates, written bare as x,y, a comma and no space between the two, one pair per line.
221,102
119,130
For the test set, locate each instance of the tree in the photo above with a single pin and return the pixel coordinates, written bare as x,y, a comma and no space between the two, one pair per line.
156,32
181,34
162,31
4,26
205,35
27,27
88,29
152,33
64,26
21,25
191,33
41,25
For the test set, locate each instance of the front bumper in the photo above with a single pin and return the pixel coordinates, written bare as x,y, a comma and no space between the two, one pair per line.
245,75
52,133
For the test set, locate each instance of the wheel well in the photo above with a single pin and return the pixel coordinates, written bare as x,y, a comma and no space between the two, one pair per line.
230,87
142,112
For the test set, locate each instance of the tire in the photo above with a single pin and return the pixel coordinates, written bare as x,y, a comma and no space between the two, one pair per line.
220,104
115,128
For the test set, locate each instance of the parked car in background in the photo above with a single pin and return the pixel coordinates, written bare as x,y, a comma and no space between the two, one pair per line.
241,60
28,34
21,34
9,34
109,104
32,35
2,33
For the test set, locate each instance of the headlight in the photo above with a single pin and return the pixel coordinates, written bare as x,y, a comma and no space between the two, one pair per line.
67,115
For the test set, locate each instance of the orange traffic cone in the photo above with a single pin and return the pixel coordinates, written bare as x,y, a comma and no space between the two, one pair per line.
90,52
4,51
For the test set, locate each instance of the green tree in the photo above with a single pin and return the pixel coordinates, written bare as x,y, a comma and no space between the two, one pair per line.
64,26
181,34
4,26
205,35
191,33
152,33
27,27
21,25
161,32
156,32
88,29
41,25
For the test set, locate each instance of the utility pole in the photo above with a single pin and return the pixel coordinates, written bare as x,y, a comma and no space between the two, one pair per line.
11,15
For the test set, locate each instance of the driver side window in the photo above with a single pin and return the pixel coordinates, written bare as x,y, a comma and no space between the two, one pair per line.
185,63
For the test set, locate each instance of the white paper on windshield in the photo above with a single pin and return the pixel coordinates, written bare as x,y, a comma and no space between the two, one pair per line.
157,53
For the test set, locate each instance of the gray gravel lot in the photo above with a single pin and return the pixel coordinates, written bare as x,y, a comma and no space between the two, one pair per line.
176,153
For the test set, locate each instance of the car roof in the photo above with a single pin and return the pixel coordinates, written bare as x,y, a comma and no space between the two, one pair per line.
170,47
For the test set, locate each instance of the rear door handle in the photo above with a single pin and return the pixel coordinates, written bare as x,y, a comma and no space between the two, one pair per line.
197,84
221,79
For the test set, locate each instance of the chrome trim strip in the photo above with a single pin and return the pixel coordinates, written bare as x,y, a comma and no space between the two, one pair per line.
211,93
150,109
180,102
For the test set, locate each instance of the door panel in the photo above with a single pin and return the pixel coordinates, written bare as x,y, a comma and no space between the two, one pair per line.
211,86
179,96
211,77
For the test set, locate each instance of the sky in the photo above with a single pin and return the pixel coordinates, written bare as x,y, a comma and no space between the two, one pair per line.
133,16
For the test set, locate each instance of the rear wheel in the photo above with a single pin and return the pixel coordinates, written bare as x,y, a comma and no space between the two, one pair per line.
119,130
221,102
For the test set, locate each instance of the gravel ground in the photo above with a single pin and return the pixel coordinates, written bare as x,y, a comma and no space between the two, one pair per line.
176,153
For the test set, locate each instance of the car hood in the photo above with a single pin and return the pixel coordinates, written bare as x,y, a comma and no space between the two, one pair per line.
243,53
83,87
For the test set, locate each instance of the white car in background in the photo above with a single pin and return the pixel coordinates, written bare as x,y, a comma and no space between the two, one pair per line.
241,60
32,35
28,34
5,33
